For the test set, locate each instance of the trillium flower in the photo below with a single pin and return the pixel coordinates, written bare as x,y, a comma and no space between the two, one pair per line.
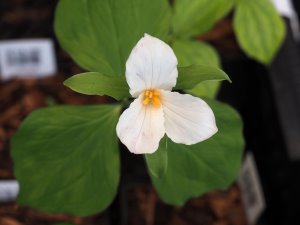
151,73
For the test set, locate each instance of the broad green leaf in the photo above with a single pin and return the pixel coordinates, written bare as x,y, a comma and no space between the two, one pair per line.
93,83
158,162
66,159
259,28
195,53
195,17
191,76
198,53
209,88
213,164
99,35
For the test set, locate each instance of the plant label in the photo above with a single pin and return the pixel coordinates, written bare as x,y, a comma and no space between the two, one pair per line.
286,9
32,58
251,189
8,190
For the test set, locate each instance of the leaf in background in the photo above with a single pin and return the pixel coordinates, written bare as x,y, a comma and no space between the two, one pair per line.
191,76
208,89
195,17
212,164
99,35
198,53
93,83
66,159
195,53
158,162
259,28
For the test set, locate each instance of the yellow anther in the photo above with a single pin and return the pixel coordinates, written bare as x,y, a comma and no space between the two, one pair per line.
146,101
156,101
152,96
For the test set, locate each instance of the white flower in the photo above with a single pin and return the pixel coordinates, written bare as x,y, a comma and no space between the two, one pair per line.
151,73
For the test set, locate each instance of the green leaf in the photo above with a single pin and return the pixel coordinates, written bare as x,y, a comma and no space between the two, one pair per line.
195,53
198,53
209,89
213,164
99,35
93,83
158,162
66,159
190,76
195,17
259,28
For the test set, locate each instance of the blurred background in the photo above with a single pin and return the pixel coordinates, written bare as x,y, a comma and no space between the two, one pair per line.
268,99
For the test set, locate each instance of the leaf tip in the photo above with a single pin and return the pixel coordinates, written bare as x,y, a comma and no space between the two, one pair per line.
228,79
67,82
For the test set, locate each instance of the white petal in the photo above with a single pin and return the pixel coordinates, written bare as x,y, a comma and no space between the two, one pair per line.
188,120
141,127
151,64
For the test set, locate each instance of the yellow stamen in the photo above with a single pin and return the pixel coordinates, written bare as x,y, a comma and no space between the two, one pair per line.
153,97
156,101
146,101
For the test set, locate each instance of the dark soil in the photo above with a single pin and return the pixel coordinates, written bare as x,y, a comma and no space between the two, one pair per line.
138,202
215,208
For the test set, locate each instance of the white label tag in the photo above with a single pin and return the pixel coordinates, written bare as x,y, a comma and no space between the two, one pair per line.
251,189
286,9
32,58
8,190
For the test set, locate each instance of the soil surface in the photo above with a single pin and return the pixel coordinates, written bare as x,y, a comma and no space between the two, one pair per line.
137,203
214,208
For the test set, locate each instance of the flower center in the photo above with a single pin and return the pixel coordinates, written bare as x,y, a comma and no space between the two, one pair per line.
151,97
